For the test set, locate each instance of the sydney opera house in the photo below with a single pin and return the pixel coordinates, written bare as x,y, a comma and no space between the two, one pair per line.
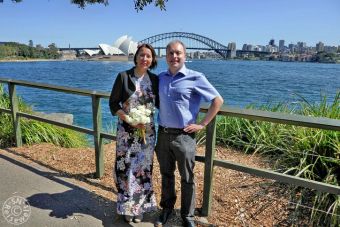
122,48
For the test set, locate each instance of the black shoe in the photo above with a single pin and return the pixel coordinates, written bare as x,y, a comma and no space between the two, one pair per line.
188,222
163,217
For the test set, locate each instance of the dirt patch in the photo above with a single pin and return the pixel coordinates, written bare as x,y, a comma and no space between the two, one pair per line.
239,199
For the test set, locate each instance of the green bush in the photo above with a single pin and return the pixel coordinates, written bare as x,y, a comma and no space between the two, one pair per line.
305,152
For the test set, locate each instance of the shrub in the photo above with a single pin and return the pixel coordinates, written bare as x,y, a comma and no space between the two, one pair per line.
35,131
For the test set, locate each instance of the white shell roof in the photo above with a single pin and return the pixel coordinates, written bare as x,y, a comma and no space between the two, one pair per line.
123,45
110,50
91,52
133,47
119,41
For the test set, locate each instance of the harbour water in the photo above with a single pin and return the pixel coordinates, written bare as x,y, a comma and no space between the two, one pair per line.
240,82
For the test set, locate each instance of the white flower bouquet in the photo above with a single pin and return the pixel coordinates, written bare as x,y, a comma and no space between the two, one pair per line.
139,115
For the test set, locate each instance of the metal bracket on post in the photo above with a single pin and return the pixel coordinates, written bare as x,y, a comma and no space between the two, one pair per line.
97,127
14,109
209,167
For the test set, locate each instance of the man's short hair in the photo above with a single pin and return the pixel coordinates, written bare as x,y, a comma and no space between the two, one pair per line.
174,42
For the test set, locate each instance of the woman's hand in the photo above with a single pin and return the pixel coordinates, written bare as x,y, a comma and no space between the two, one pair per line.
122,115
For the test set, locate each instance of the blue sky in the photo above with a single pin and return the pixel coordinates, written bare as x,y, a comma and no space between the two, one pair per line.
240,21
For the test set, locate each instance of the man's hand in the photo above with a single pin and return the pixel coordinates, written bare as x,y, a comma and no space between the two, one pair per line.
193,128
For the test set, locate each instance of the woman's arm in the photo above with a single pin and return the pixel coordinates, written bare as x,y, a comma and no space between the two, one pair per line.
116,95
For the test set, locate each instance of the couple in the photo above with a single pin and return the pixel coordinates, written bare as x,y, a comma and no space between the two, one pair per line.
177,93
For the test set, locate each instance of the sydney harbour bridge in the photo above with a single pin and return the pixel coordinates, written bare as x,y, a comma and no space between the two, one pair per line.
192,41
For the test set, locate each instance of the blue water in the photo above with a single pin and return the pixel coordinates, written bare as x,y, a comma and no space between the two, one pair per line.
240,83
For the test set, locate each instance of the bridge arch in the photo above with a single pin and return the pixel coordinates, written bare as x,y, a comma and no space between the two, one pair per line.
215,46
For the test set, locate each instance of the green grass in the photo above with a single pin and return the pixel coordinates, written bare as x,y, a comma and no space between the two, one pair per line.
34,131
309,153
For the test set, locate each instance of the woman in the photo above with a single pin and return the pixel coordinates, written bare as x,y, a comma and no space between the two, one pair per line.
134,153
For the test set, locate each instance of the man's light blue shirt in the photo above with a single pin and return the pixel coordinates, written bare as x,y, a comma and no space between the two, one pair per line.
180,97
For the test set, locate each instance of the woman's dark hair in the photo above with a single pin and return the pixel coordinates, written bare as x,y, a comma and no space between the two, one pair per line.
153,53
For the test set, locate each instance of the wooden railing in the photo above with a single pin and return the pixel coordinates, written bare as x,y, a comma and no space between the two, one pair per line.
209,158
96,131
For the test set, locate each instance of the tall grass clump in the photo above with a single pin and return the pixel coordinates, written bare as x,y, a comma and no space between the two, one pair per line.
305,152
34,131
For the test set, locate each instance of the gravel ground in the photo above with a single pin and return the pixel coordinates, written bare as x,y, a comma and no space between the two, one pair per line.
239,199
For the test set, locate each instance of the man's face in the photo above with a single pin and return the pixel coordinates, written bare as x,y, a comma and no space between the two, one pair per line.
175,57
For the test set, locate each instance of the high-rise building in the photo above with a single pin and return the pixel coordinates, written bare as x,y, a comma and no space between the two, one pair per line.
320,47
250,47
272,42
301,47
281,45
291,48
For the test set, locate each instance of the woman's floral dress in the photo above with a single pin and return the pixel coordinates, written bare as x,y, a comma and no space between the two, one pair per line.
134,159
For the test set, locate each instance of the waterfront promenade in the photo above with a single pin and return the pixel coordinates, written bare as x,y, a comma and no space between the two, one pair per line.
54,200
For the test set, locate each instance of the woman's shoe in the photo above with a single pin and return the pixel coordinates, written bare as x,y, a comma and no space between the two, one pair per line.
128,218
138,218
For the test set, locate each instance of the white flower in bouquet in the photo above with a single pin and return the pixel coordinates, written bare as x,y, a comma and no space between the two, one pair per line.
139,115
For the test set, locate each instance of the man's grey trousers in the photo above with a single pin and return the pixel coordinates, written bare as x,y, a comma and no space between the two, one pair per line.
177,146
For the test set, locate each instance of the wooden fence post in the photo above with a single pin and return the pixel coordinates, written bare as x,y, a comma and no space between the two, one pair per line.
97,127
209,167
14,109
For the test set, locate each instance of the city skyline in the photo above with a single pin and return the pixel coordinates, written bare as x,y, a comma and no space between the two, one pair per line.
242,21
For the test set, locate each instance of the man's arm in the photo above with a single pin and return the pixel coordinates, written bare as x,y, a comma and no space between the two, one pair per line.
212,111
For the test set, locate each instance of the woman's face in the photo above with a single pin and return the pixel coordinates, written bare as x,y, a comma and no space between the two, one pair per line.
144,58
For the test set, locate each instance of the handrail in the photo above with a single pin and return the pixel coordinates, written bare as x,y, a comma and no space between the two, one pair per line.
44,86
281,118
209,159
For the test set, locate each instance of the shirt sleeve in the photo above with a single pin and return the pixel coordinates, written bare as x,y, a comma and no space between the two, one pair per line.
205,88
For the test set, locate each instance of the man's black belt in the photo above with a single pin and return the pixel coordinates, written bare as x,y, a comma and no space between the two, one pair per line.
171,130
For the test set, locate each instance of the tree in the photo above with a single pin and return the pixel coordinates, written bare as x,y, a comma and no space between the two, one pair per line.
52,51
139,4
52,46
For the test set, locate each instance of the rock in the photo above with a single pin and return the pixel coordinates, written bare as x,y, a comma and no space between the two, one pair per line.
60,117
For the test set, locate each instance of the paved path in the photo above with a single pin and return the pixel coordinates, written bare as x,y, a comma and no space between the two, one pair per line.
53,200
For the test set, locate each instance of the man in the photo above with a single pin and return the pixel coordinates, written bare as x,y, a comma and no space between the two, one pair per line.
180,92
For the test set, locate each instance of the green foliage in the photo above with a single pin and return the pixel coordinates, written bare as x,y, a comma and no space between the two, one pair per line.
305,152
13,50
139,4
324,57
39,132
34,131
